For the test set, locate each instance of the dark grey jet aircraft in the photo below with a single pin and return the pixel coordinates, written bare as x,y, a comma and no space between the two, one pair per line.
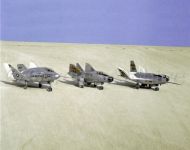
89,76
24,75
144,79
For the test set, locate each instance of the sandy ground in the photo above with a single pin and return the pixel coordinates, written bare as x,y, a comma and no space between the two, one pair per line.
117,118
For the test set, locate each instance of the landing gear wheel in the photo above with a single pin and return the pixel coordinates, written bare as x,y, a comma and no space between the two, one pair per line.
156,89
40,85
88,83
100,87
49,89
26,85
137,86
81,86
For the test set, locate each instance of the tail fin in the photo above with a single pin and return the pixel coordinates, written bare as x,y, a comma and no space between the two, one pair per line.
133,66
74,69
21,67
88,68
123,73
78,66
16,74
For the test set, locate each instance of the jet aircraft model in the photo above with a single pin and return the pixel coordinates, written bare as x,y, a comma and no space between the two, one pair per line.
33,74
89,76
144,79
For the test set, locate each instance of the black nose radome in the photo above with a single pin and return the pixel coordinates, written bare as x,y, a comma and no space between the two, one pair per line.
110,79
167,79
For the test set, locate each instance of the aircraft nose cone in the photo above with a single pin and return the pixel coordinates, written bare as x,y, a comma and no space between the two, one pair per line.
110,79
57,76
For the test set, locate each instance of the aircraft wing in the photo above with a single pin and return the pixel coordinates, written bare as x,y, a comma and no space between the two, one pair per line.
123,73
9,71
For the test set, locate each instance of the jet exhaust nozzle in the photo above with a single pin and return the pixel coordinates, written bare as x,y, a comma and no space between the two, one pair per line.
110,79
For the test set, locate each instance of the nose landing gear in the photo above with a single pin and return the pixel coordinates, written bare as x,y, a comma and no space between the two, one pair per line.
156,89
81,86
49,89
100,87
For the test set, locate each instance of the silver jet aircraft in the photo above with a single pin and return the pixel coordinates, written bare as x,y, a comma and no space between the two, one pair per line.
31,75
89,76
144,79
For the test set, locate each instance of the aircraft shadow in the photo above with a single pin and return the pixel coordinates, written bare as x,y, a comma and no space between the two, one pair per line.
12,83
124,83
127,84
73,83
31,85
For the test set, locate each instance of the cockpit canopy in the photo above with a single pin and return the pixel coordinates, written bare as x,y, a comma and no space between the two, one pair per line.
157,75
49,70
102,73
147,75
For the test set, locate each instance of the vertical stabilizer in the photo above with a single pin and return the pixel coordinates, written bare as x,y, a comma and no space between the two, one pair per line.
79,67
73,69
88,68
133,66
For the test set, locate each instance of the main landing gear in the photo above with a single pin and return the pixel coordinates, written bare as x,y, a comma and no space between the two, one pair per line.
100,87
154,87
81,86
49,88
26,85
40,85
